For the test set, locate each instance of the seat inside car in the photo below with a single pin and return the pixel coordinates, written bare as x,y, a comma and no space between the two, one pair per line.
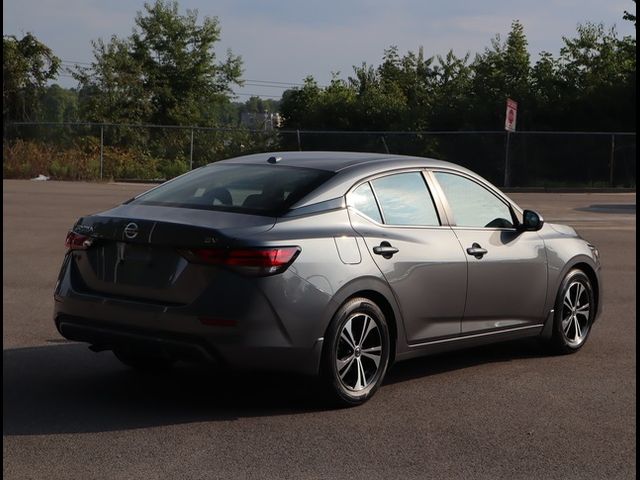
270,195
220,194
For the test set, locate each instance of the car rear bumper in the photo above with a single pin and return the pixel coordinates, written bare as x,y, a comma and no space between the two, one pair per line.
105,336
238,324
108,337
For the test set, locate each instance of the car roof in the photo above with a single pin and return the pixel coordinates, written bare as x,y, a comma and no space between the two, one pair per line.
350,167
336,161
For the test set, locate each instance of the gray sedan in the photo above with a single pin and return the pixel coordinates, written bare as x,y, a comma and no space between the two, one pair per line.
324,263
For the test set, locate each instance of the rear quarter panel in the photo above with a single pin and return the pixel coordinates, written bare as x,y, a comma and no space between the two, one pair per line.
324,275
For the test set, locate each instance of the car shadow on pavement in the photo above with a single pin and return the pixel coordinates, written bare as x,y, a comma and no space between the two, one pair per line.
628,208
65,388
459,359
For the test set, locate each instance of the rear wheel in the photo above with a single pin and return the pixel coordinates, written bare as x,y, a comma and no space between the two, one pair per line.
356,353
575,310
143,361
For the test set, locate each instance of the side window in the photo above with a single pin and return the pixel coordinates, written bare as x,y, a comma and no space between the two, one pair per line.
405,200
362,199
472,204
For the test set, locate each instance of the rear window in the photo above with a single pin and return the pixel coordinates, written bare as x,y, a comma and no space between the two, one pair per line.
256,189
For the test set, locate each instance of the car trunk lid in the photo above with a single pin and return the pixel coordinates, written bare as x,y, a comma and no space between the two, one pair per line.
136,250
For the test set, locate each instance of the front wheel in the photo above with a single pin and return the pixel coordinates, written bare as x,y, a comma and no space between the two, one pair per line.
575,310
356,353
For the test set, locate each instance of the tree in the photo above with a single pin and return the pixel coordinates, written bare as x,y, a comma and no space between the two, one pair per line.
166,72
630,16
258,105
59,104
27,66
452,84
298,105
502,71
598,72
517,62
114,88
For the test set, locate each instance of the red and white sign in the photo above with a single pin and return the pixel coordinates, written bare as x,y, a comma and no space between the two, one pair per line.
511,115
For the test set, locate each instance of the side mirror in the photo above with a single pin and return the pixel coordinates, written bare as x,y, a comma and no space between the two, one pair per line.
531,221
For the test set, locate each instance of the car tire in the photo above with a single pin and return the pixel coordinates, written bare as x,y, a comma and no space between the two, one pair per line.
575,309
142,361
354,365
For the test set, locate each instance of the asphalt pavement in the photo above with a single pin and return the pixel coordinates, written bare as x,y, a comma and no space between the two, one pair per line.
502,412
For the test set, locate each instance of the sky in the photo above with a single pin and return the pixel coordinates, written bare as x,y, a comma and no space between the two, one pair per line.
283,41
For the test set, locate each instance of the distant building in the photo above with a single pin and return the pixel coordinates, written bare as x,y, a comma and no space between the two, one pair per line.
261,121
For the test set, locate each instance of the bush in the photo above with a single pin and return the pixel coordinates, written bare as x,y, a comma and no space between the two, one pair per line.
81,161
172,168
120,163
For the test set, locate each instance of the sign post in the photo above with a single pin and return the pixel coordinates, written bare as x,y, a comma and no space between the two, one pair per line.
510,126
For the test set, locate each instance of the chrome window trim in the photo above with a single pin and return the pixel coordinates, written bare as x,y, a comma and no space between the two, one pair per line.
377,200
420,227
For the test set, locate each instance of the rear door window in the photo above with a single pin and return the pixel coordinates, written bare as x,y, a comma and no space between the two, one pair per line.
405,200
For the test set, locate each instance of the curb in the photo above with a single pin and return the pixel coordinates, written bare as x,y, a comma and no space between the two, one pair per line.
139,180
568,190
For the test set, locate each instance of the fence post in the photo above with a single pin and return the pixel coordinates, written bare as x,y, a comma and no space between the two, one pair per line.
611,160
299,143
101,150
191,152
506,160
384,143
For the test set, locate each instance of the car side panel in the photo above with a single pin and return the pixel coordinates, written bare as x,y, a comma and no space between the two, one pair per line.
507,287
428,275
564,252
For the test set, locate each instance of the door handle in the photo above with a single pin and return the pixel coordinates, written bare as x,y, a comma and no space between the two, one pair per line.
385,249
477,251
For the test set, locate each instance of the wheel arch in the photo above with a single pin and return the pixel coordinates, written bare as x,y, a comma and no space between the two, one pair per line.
560,267
384,305
590,272
377,291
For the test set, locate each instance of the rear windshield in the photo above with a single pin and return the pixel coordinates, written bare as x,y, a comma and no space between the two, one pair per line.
256,189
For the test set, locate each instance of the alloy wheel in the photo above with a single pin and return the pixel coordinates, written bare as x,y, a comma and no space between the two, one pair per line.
576,310
359,352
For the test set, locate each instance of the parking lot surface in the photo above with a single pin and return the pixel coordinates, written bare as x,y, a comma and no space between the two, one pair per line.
507,411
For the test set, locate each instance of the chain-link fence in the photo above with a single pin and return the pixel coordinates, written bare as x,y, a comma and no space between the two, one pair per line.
149,152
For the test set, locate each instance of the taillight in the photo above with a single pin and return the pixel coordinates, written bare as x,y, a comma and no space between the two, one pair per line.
252,261
75,241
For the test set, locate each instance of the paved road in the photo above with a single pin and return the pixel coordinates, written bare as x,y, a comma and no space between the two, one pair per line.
501,412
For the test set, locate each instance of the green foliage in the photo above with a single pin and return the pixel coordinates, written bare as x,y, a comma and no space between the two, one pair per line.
500,72
395,95
168,73
630,16
589,86
258,105
450,109
113,88
59,104
29,158
27,65
172,168
165,73
129,163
